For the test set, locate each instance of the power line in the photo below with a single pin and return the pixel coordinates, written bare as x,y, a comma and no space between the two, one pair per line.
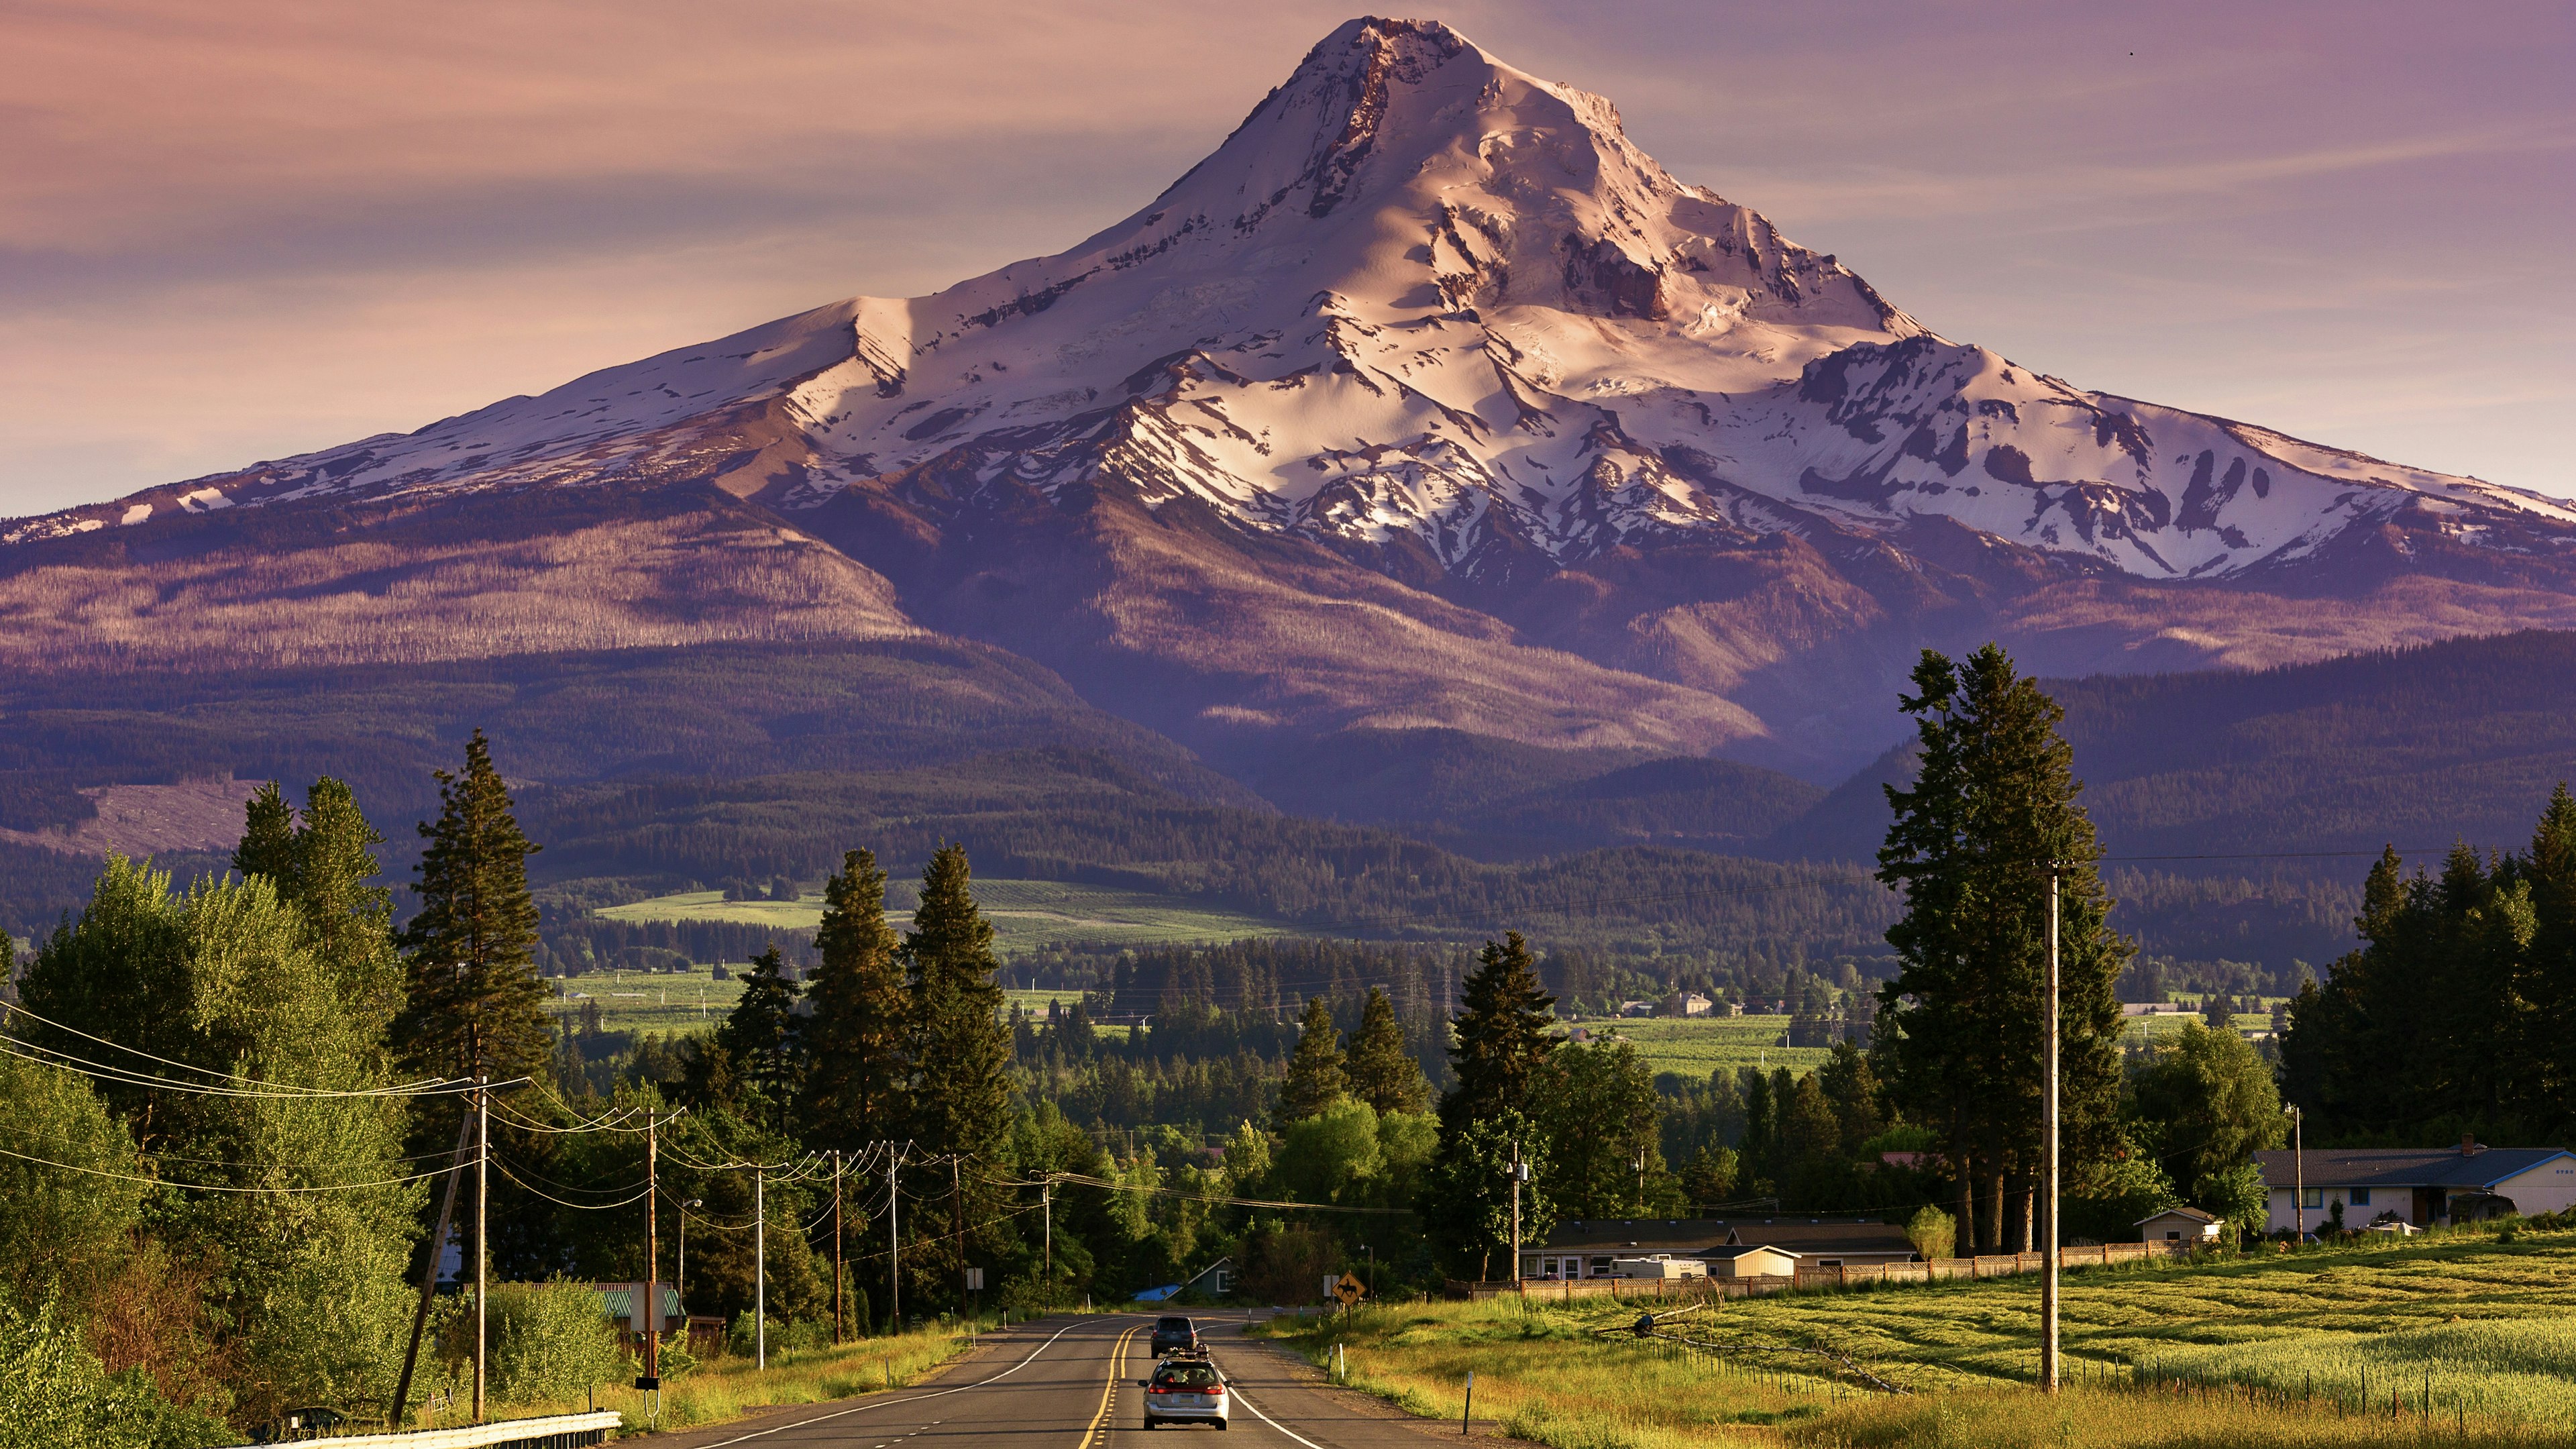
99,1071
429,1085
220,1187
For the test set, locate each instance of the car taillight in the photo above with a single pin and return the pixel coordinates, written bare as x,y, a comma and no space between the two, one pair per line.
1216,1388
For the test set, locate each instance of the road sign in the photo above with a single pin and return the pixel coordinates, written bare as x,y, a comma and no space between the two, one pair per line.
974,1280
1350,1289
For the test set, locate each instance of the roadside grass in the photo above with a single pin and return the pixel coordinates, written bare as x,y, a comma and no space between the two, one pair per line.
2255,1351
729,1386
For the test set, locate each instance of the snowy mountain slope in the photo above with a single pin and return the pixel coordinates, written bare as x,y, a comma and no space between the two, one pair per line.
1419,293
1428,391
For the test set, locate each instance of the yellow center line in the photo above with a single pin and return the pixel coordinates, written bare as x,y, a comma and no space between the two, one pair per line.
1117,1370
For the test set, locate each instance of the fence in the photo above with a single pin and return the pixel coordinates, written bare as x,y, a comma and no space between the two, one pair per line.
558,1431
1683,1290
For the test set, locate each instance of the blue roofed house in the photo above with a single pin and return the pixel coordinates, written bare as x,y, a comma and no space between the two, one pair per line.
2425,1187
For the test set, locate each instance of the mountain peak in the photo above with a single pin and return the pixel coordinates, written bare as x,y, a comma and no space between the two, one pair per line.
1420,300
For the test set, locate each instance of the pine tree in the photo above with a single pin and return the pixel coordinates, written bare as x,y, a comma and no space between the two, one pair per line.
2551,981
476,1004
1379,1070
1502,1035
760,1037
1993,804
1314,1080
268,836
351,920
961,1054
854,1038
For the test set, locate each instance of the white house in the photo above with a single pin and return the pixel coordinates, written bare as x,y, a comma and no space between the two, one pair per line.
2178,1225
2423,1186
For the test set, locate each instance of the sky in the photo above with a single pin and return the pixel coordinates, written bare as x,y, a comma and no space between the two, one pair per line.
236,232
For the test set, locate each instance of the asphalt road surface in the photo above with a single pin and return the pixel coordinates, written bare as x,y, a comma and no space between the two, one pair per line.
1071,1383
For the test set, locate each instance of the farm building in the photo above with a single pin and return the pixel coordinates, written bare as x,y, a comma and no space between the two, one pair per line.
2426,1187
2178,1225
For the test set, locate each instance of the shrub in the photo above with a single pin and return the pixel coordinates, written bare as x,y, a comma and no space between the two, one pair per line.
1933,1232
54,1394
551,1342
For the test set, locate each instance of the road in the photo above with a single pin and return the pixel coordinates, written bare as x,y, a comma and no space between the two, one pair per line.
1071,1383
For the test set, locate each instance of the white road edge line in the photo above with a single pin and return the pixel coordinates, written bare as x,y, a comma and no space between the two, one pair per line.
1265,1418
915,1399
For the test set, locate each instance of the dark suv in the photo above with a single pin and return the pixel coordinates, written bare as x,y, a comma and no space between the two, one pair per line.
1172,1334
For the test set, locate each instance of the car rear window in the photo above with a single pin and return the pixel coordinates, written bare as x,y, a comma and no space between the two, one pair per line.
1175,1325
1188,1376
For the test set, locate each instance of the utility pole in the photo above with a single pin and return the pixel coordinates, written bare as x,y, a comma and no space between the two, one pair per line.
1046,1206
1641,1179
2048,1153
429,1273
894,1245
760,1267
482,1220
648,1314
1520,1174
957,1221
836,1248
2298,1178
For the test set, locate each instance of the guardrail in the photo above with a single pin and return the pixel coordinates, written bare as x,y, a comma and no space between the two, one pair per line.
1682,1290
558,1431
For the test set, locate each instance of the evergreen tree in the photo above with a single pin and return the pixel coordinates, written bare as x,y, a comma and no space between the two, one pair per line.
961,1055
1992,805
1379,1069
1314,1080
855,1038
1852,1088
476,1005
268,836
760,1038
1500,1039
1502,1034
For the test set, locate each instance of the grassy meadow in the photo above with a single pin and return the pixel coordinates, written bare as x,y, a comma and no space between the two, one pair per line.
1693,1047
652,1001
1026,915
2466,1338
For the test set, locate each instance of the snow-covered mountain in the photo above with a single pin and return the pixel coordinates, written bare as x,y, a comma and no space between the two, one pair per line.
1420,294
1441,320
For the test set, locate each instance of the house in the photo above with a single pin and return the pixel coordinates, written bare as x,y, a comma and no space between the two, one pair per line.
1728,1008
2152,1008
1215,1280
1594,1249
1636,1008
1579,1035
2427,1186
2178,1225
1689,1003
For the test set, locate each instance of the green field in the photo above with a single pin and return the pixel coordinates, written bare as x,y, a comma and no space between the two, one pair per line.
1026,915
651,1001
2460,1338
1693,1047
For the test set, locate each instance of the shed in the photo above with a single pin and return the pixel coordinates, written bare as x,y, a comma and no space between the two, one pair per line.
2178,1225
1751,1262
